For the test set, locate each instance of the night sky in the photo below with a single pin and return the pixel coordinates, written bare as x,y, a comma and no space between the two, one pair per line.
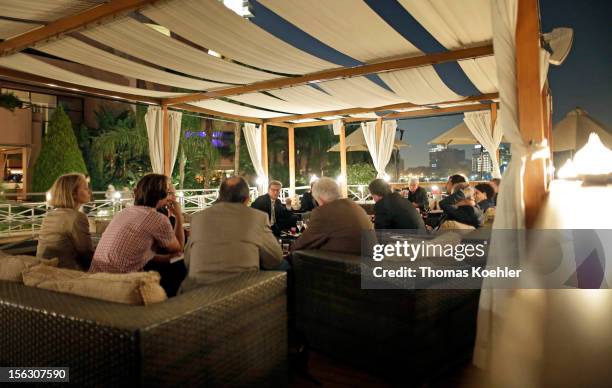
584,79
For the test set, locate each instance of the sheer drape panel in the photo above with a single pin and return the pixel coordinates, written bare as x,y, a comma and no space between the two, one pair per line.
479,124
252,136
174,119
381,151
154,122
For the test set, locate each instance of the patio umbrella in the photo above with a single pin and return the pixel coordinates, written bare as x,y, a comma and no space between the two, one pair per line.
356,142
458,135
572,133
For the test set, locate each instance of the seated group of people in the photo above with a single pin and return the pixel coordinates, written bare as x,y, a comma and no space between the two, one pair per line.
230,237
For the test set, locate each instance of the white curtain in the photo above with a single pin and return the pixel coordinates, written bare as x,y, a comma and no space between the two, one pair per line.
252,136
154,119
381,152
510,212
479,124
174,119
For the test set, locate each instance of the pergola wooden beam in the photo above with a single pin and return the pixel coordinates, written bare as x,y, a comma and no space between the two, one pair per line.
197,109
400,115
71,23
22,76
345,72
350,111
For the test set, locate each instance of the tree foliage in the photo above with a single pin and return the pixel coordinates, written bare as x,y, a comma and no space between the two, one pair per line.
120,153
60,153
361,173
10,101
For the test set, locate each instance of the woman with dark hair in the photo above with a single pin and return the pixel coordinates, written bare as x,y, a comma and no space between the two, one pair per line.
135,233
483,195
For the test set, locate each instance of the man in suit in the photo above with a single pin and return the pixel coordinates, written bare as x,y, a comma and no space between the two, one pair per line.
391,210
279,216
336,224
230,238
417,195
453,194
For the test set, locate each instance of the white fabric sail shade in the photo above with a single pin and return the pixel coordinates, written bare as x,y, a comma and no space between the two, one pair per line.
45,11
155,125
230,108
29,64
457,135
371,37
210,24
381,150
141,41
81,52
479,124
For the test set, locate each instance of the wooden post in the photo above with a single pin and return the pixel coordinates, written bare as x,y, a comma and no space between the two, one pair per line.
343,172
493,121
291,131
2,165
166,138
25,158
237,135
264,150
530,103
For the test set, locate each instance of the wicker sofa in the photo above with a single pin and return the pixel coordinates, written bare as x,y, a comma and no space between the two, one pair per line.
233,333
407,336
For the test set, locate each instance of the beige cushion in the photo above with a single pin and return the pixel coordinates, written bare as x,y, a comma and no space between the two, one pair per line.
454,225
11,266
135,288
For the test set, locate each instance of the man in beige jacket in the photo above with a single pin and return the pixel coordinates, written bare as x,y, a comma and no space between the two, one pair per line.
229,238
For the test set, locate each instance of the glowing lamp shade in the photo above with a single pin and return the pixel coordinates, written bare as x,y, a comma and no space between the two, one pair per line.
568,171
435,189
313,178
117,195
386,177
260,181
594,158
340,179
48,196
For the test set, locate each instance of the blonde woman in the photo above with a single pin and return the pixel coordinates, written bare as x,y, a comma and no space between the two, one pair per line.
65,230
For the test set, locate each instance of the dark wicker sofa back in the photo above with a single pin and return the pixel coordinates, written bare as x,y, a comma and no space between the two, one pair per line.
405,335
231,333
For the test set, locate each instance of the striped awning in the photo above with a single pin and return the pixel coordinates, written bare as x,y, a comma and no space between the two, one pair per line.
183,46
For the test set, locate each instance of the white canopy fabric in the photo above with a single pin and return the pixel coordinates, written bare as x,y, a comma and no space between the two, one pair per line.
143,42
482,72
572,133
479,123
81,52
371,37
421,85
44,11
360,92
310,96
381,151
455,24
356,142
252,136
260,99
228,107
210,24
155,126
29,64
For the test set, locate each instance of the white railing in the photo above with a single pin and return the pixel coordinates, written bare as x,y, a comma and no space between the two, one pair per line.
26,217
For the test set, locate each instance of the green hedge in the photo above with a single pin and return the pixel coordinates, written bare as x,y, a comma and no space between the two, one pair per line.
60,153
